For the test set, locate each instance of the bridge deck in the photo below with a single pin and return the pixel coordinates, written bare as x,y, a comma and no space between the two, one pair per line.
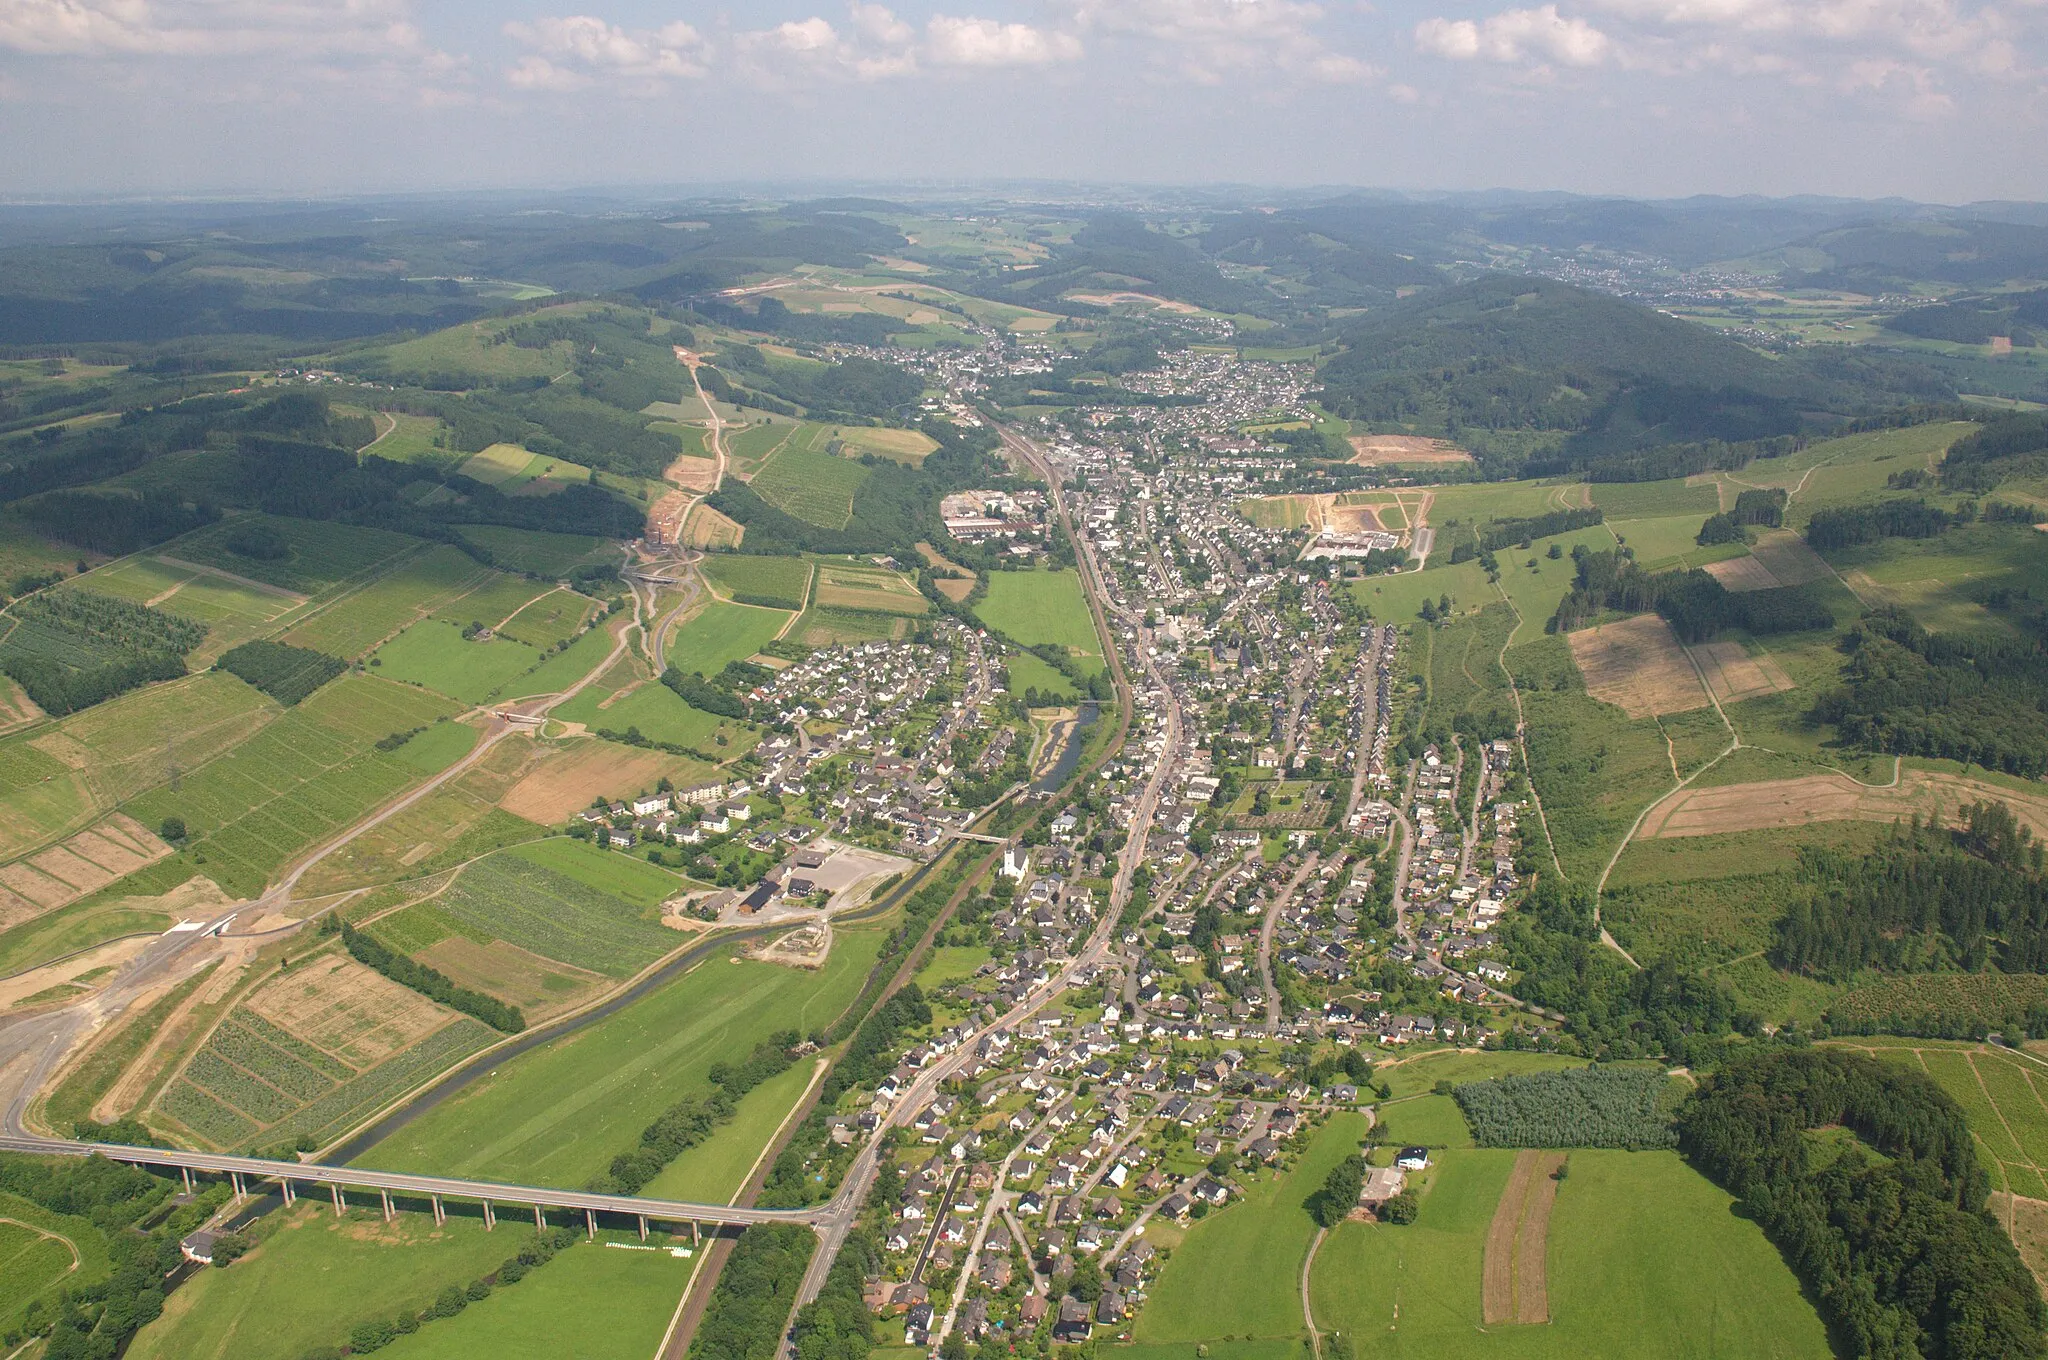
399,1182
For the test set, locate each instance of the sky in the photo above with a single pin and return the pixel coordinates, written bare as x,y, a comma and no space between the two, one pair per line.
1935,100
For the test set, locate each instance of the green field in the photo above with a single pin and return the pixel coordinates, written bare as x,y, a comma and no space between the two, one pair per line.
335,1272
661,715
542,553
1670,541
1038,607
1646,500
309,772
548,620
1943,581
1414,1076
557,1115
569,665
1206,1290
1398,598
635,880
1646,1258
469,351
320,553
591,1302
410,439
35,1260
436,656
714,1170
1028,672
541,909
814,486
722,632
354,625
233,613
784,581
821,627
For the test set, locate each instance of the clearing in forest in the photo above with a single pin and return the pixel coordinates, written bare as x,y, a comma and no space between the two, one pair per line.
1638,666
1379,450
1516,1287
1830,798
1732,673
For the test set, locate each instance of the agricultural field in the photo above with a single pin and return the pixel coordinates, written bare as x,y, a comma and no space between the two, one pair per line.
722,632
509,897
1638,666
473,351
406,438
814,486
319,554
57,779
336,1272
706,528
354,624
75,867
779,581
660,715
1645,1257
862,586
306,774
2003,1094
1038,607
549,619
544,554
1678,496
1670,542
558,1114
819,627
575,772
314,1051
1206,1291
1943,581
233,612
570,665
904,446
435,655
635,880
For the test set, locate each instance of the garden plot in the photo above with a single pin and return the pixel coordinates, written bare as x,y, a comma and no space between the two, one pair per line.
313,1051
1638,666
83,864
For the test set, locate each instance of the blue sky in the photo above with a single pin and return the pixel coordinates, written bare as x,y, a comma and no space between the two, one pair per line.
1943,100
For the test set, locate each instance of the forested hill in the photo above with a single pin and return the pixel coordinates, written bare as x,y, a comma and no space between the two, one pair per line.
1607,376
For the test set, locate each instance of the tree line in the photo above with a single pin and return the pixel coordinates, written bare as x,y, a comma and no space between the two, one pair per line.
691,1120
430,982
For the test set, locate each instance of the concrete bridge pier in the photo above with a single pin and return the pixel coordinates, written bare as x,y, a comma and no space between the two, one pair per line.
643,1227
188,1180
696,1235
286,1183
440,1214
490,1219
235,1179
387,1204
590,1225
340,1204
539,1224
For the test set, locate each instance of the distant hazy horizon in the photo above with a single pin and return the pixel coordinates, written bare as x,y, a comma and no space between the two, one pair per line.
1938,101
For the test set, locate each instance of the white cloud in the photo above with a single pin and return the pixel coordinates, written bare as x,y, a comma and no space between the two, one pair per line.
1212,40
209,28
572,52
1516,37
988,42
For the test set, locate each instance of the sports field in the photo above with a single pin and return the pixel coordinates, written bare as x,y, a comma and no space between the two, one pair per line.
559,1114
336,1272
1207,1289
1037,607
722,632
1645,1257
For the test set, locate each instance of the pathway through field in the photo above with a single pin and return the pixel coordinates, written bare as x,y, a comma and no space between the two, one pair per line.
1515,1285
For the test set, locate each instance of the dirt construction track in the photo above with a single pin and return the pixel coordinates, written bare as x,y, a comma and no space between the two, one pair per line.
1516,1285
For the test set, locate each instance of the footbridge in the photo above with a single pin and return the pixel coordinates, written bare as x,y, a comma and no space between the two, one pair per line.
295,1178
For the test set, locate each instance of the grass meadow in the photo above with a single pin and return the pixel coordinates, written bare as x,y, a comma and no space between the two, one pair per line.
1237,1272
591,1302
435,656
1037,607
320,554
336,1272
355,624
722,632
558,1114
814,486
540,552
661,715
785,581
1646,1257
